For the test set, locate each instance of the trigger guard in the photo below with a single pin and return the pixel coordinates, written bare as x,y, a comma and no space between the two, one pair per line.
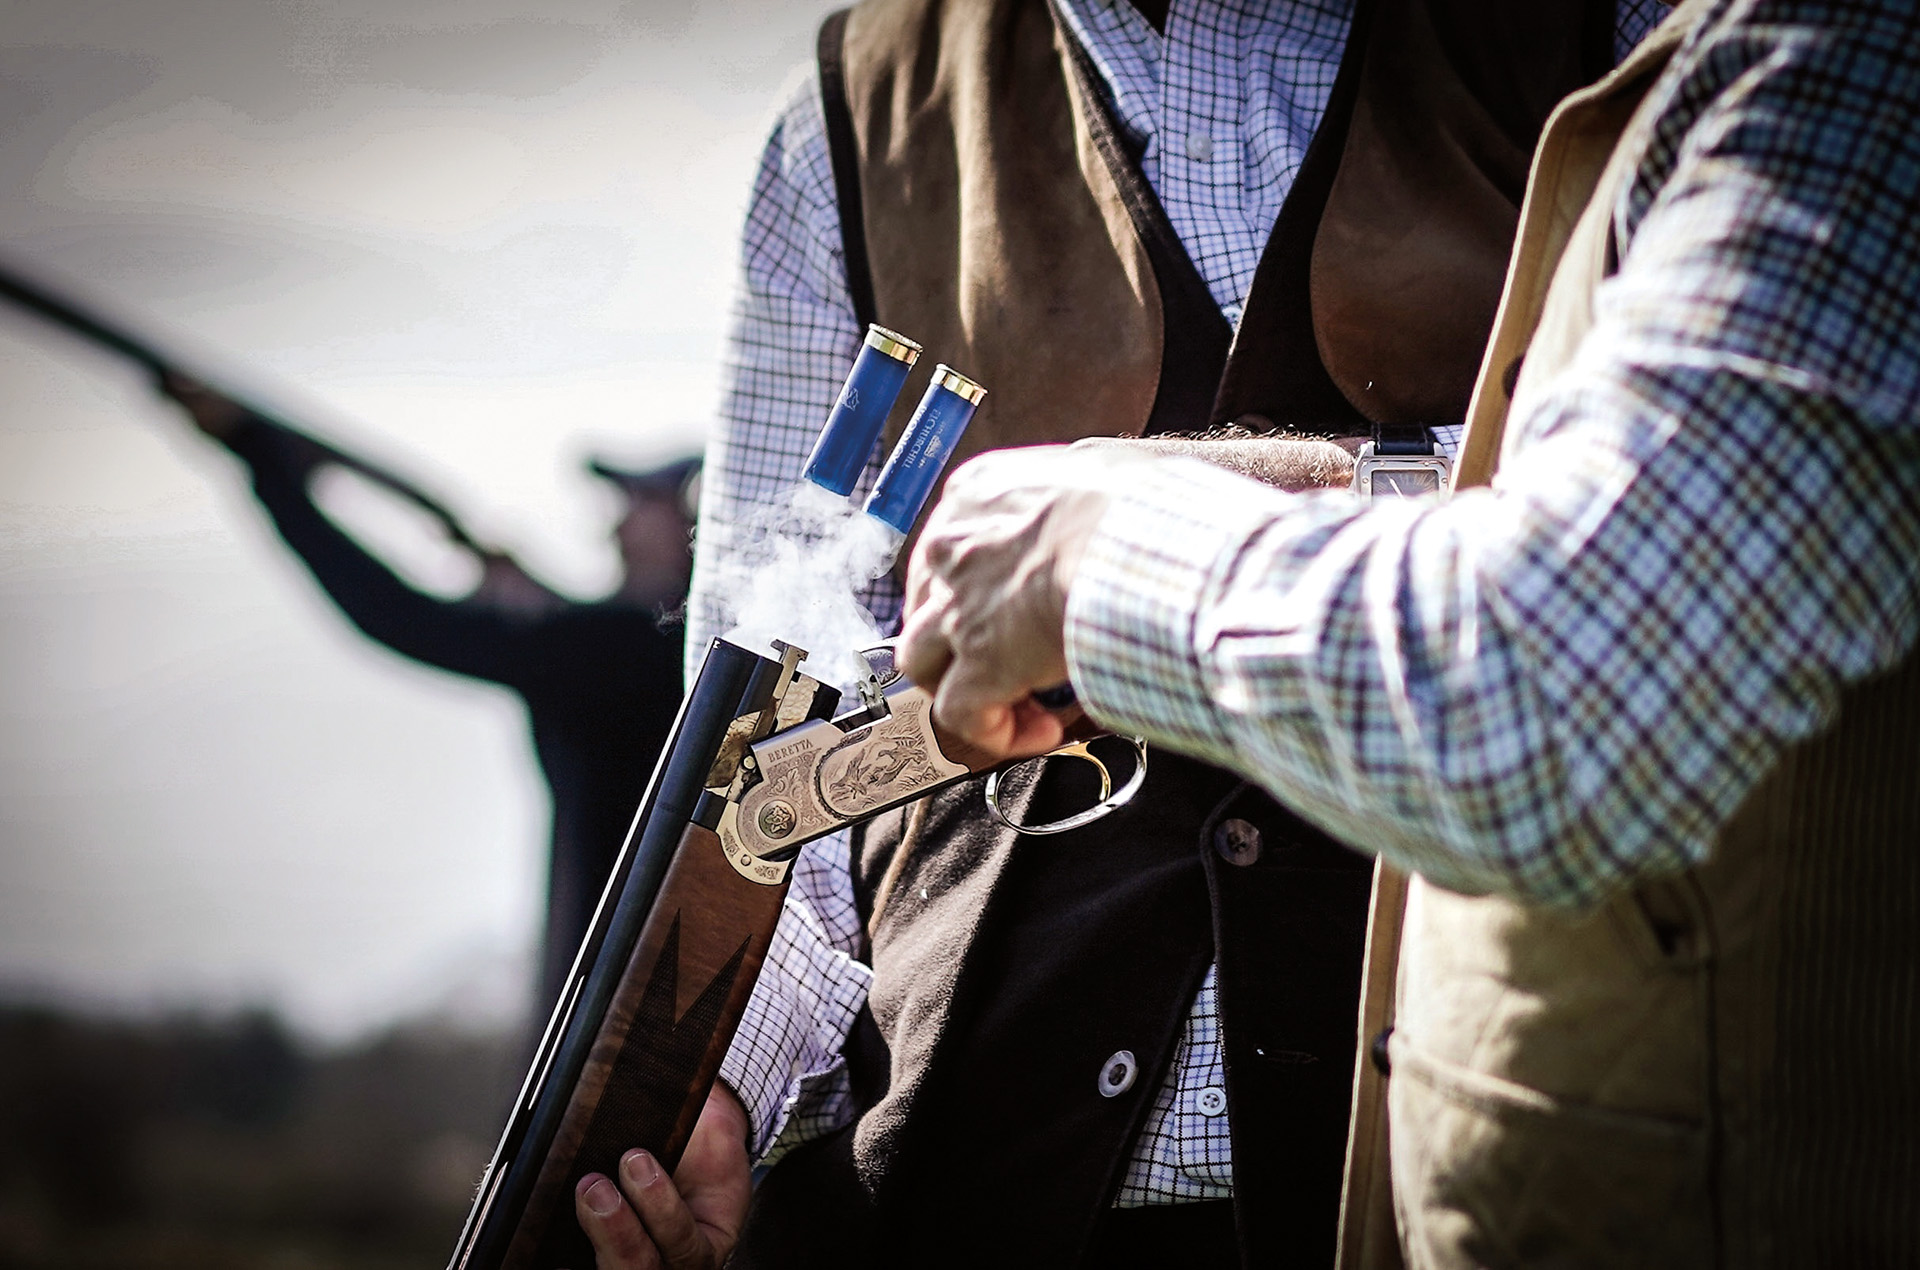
1111,800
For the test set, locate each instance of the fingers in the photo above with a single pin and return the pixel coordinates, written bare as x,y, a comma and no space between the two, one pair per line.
967,699
1036,729
923,651
997,715
987,591
642,1224
715,1176
675,1233
919,578
619,1242
981,689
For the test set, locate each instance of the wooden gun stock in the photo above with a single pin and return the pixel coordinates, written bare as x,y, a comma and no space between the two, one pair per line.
657,988
656,1052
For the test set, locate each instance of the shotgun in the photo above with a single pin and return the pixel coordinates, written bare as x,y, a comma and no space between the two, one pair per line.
91,325
757,766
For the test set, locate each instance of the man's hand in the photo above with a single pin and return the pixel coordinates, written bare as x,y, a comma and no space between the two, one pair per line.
216,415
688,1222
987,589
987,585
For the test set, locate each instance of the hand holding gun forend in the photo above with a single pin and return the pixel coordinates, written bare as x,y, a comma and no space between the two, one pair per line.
756,767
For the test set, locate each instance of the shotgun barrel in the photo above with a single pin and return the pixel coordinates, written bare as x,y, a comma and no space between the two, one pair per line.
757,766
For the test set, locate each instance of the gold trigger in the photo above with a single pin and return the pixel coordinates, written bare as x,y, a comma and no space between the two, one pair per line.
1109,801
1083,750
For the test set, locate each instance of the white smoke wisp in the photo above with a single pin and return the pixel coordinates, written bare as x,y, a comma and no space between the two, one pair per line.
796,574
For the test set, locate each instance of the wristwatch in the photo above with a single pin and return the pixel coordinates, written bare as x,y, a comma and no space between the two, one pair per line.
1401,461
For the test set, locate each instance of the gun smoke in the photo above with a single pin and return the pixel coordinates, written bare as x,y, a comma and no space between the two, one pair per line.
796,577
800,565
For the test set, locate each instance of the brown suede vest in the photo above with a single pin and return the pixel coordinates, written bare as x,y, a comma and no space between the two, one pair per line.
1005,225
1717,1069
995,213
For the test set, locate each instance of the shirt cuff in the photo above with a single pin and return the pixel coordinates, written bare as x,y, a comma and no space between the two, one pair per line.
1159,551
791,1034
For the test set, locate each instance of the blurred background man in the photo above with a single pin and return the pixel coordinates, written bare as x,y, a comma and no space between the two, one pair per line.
601,680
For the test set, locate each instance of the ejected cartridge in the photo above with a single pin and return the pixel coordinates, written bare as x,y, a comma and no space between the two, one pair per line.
872,386
915,464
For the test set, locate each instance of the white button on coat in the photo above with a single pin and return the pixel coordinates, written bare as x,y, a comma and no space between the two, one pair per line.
1211,1101
1117,1073
1199,147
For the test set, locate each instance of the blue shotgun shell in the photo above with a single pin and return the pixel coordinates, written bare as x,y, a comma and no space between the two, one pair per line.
915,464
854,424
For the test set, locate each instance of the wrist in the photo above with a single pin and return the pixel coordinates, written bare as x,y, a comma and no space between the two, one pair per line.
1284,461
730,1113
1072,524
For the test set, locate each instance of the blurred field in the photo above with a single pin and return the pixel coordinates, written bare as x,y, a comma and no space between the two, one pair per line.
224,1145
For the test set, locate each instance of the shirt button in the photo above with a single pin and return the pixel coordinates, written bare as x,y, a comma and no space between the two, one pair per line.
1237,841
1117,1073
1210,1101
1199,147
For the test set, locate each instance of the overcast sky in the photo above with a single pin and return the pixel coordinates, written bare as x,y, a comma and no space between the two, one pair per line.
478,239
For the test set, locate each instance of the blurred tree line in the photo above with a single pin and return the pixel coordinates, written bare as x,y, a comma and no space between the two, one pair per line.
224,1144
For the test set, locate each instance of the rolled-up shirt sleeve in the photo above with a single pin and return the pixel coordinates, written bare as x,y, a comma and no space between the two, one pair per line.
1704,528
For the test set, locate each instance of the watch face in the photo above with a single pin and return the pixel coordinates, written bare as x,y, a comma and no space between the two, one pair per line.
1404,482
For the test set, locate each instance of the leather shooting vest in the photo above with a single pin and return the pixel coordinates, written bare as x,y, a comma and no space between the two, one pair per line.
994,211
1719,1068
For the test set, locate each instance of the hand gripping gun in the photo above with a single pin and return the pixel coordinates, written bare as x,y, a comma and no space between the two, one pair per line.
757,766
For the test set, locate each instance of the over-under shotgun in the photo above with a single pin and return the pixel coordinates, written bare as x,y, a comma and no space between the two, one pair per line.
756,767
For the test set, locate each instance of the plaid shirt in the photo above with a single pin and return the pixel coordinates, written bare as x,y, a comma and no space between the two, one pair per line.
1224,104
1702,530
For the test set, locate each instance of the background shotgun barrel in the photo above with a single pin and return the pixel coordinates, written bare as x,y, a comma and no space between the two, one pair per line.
71,314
